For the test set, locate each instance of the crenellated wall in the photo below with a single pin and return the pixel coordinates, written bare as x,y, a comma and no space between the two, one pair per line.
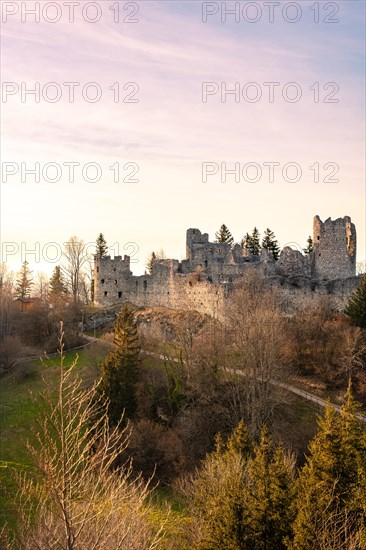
206,276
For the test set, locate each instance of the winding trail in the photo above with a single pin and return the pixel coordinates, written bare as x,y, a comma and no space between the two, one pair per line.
288,387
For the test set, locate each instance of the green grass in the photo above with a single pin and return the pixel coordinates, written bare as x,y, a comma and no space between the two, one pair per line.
173,511
19,408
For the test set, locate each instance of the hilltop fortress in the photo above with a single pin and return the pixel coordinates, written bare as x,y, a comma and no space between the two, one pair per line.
208,274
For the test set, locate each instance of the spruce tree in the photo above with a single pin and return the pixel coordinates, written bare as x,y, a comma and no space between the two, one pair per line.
58,290
218,493
268,496
310,246
120,370
254,244
270,243
245,242
101,246
223,235
24,282
329,500
356,307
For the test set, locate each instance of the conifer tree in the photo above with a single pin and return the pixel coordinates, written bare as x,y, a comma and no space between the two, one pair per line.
330,497
24,282
58,289
356,307
120,370
150,262
254,244
101,246
310,246
223,235
245,242
268,497
217,494
270,243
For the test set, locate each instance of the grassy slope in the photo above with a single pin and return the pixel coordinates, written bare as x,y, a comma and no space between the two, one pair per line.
19,409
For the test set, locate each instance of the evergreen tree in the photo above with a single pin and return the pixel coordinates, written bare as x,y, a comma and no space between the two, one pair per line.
223,235
101,246
24,282
245,242
270,243
356,307
242,496
150,262
254,244
310,246
58,289
329,499
268,496
120,370
218,489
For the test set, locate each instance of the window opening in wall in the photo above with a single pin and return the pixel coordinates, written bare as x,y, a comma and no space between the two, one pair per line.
120,295
105,293
318,238
115,281
97,269
145,285
102,281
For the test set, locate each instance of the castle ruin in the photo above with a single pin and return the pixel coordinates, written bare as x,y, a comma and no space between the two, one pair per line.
206,276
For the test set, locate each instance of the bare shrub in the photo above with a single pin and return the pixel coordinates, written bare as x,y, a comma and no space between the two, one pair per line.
77,498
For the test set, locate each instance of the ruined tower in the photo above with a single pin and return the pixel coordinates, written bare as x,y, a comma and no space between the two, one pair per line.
334,248
111,278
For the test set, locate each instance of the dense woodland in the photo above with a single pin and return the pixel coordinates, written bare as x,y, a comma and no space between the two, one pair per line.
182,437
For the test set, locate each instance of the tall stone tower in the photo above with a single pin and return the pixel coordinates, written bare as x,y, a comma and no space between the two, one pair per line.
111,279
334,248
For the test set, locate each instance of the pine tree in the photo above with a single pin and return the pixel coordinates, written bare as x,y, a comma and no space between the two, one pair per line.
24,282
270,243
310,246
101,246
120,370
223,235
150,262
58,288
254,245
329,502
356,307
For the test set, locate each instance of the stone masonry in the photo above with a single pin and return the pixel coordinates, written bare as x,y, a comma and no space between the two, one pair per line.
206,276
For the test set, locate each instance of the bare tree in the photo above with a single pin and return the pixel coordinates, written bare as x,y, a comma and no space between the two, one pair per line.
86,282
76,257
42,285
254,358
7,310
77,498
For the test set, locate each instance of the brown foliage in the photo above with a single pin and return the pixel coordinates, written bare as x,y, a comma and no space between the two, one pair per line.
156,450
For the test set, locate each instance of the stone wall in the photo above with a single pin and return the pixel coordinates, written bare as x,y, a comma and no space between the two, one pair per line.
334,248
207,275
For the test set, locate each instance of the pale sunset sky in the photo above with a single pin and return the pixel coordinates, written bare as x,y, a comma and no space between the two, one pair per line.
167,130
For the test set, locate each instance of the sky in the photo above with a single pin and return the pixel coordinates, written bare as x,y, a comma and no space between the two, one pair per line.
147,118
